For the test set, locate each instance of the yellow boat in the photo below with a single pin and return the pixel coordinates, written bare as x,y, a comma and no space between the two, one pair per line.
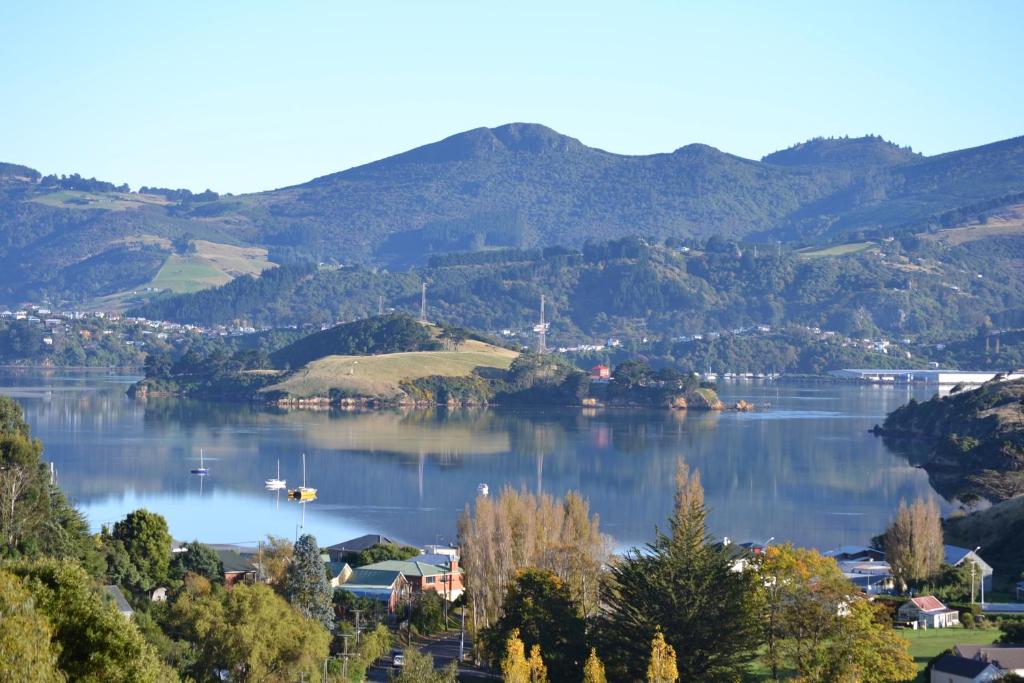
303,493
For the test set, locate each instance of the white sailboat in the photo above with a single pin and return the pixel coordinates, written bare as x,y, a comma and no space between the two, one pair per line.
303,493
276,483
202,470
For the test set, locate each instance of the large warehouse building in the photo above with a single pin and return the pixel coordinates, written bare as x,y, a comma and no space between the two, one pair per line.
931,376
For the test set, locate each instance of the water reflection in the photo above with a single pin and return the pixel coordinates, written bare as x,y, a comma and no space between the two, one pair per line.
807,470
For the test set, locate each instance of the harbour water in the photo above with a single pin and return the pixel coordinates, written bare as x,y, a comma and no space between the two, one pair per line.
804,470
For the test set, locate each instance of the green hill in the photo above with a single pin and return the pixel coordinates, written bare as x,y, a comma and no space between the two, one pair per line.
370,336
518,185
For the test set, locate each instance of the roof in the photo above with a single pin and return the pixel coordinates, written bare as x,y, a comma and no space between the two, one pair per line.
854,551
361,543
438,560
959,666
407,567
954,555
928,603
234,562
119,600
1009,657
372,578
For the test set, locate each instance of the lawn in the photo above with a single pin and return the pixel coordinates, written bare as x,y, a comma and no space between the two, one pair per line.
836,250
380,376
188,273
924,645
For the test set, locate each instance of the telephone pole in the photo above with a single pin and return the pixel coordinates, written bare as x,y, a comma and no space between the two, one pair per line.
423,303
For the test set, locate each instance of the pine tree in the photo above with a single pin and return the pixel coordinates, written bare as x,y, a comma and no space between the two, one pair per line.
662,667
308,588
593,670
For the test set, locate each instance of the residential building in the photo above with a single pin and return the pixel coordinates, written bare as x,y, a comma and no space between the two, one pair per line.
871,576
237,567
346,551
1007,658
387,586
120,602
928,612
956,556
600,372
446,579
953,669
858,553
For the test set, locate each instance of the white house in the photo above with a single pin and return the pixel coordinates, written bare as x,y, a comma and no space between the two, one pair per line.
953,669
956,556
929,612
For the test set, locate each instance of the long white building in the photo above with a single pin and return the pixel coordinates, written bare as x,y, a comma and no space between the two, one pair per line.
930,376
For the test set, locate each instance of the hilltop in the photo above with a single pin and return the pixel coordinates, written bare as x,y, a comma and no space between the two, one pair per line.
518,185
968,441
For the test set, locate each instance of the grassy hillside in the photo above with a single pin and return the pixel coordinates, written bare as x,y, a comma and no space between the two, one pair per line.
381,376
518,185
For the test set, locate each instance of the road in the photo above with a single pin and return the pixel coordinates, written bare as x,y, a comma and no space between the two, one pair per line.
444,649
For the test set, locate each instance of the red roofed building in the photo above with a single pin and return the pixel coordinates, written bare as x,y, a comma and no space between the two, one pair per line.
600,372
927,611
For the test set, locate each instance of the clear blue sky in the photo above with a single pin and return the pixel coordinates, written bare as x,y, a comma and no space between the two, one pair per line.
242,96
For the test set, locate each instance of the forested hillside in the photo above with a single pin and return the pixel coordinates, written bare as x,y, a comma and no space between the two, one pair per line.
519,185
918,288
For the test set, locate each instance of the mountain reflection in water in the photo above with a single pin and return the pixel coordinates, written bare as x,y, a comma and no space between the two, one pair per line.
806,470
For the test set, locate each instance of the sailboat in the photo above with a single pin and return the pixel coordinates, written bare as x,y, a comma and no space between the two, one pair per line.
276,483
303,493
202,470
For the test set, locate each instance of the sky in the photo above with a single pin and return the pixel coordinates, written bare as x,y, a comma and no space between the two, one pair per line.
248,96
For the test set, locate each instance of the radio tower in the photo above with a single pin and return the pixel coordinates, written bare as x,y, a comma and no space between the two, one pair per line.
423,303
542,329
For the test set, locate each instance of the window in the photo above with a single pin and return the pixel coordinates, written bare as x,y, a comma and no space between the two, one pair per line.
429,579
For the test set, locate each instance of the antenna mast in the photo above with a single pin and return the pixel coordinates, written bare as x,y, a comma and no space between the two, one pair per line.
423,303
542,329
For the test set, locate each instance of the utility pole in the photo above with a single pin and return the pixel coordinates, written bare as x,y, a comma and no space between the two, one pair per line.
542,330
423,303
462,636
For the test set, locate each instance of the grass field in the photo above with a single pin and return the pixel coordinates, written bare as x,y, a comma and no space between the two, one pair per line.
380,376
924,645
836,250
109,201
209,265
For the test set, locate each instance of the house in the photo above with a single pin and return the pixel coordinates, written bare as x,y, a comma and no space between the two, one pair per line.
446,578
237,567
120,602
870,576
956,556
1007,658
600,372
857,553
927,611
953,669
387,586
346,551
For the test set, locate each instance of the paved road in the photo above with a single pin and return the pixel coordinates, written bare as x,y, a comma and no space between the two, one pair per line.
444,649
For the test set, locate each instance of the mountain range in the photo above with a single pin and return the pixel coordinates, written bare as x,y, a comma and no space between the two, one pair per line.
517,185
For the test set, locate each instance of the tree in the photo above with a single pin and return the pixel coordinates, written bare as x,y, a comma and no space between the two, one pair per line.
538,670
382,552
662,665
514,667
197,558
94,642
251,632
419,668
1013,632
26,638
913,542
816,625
308,588
148,543
685,586
593,670
539,608
427,612
276,556
372,647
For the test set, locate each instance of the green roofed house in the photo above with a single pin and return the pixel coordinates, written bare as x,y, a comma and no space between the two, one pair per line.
444,578
384,585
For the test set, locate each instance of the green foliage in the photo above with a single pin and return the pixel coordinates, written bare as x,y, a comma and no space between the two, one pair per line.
147,543
385,551
419,668
428,613
308,589
197,558
539,606
382,334
372,646
1013,632
29,654
96,643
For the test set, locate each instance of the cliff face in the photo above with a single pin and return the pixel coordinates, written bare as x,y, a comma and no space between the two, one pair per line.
967,441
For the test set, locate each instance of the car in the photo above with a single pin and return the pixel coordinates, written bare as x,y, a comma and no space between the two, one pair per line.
399,661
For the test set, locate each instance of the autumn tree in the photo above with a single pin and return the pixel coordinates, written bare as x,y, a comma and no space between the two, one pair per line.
308,588
514,667
26,637
275,557
686,586
519,529
661,668
913,542
539,608
538,670
593,670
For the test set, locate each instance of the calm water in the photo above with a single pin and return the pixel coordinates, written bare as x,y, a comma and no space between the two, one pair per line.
806,470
